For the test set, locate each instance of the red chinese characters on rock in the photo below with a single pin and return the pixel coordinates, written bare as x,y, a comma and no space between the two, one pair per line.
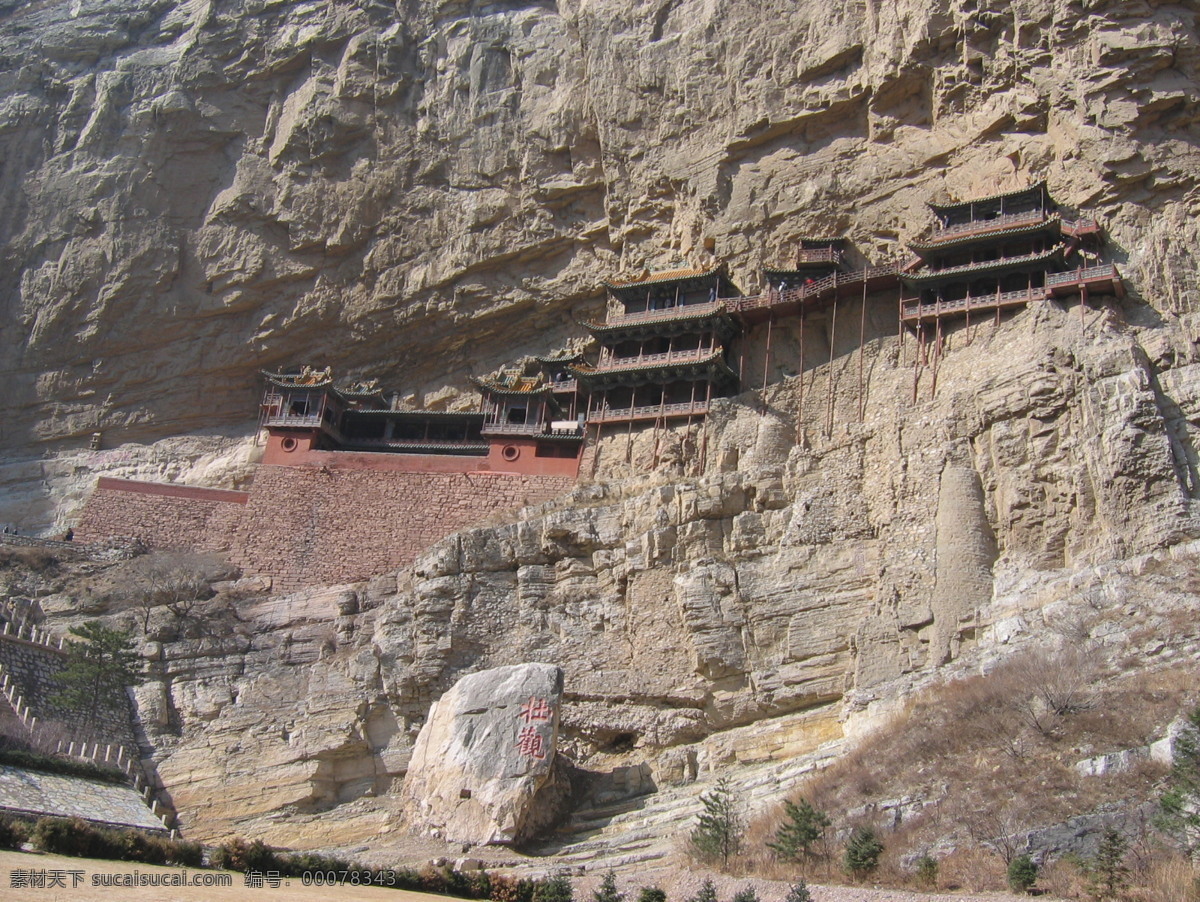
531,742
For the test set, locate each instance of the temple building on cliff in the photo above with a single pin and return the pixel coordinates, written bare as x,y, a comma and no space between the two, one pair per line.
353,484
663,348
996,253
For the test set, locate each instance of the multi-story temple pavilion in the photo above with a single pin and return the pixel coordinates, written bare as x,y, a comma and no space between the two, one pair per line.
1000,252
304,411
663,348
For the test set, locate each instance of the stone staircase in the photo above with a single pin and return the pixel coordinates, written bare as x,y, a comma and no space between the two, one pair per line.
23,644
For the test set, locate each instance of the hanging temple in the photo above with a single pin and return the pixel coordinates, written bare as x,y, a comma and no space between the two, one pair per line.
670,342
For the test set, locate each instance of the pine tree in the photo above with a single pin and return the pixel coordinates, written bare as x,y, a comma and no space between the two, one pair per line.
1109,874
101,664
746,894
804,826
651,894
607,891
862,852
1179,806
718,835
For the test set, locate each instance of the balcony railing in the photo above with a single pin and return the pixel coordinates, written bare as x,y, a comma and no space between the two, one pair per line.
515,429
917,310
667,313
665,359
608,414
773,298
1104,273
294,421
819,255
1008,220
565,385
404,444
1080,226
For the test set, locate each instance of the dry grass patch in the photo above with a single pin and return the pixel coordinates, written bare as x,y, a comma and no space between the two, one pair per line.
978,763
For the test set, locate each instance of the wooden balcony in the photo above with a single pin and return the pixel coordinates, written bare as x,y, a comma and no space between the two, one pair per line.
515,429
792,300
418,446
813,255
293,421
1008,221
644,361
1080,227
648,412
915,313
1104,279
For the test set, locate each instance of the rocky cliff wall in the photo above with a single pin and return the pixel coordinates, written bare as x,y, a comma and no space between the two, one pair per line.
418,190
422,190
746,611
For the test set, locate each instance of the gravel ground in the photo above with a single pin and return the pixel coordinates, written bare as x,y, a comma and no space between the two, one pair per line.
681,885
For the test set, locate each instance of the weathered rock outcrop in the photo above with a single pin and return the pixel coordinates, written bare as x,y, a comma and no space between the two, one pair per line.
193,191
485,767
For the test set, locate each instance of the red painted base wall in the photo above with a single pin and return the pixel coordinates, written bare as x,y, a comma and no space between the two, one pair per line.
315,524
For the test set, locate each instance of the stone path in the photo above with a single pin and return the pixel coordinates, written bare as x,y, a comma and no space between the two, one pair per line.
35,793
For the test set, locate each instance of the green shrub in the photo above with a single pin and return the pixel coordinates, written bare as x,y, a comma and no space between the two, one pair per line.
1022,874
12,833
1108,874
238,854
746,894
64,836
862,852
798,892
706,893
510,889
185,853
651,894
555,889
718,835
927,871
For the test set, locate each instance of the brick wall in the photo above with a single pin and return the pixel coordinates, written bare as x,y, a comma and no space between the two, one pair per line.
307,526
314,525
163,516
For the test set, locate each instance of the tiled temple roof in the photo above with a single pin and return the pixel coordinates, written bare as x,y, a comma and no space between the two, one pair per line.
653,321
659,278
310,379
522,385
1002,195
976,269
960,239
713,363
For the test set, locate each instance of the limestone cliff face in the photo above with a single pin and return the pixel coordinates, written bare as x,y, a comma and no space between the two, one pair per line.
745,611
420,190
417,189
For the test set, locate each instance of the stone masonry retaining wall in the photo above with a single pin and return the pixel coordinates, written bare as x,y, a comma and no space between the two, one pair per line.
162,516
312,525
27,678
